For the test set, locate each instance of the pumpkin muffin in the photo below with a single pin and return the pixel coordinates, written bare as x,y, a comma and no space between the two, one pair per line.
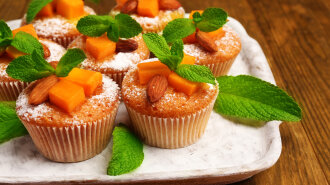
57,20
176,120
115,65
71,136
152,15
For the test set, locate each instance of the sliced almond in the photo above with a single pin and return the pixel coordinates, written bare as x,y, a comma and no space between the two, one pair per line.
39,94
130,7
156,88
126,45
46,51
169,4
206,42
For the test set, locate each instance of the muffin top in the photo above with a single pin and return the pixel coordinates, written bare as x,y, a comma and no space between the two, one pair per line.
229,46
104,100
56,52
171,104
119,62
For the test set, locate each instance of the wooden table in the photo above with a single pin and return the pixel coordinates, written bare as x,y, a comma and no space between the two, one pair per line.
294,34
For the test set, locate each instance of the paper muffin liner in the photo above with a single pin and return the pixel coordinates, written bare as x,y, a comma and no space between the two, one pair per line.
170,132
9,91
117,77
73,143
220,68
63,40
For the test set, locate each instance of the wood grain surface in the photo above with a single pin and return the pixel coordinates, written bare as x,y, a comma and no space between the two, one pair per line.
294,36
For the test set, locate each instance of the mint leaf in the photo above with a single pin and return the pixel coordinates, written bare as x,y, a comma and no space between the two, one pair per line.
127,152
26,43
5,34
94,25
197,17
28,68
212,19
10,125
113,32
196,73
177,49
178,29
128,27
249,97
70,59
34,8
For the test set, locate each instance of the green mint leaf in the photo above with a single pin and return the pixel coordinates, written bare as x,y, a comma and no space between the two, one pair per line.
70,59
249,97
29,68
177,49
113,32
26,43
127,152
197,17
34,8
196,73
5,34
10,125
94,25
212,19
178,29
128,27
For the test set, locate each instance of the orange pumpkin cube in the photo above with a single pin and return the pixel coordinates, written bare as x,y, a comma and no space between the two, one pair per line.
148,8
46,11
70,9
27,29
13,52
182,85
89,80
149,69
188,59
100,47
67,95
216,33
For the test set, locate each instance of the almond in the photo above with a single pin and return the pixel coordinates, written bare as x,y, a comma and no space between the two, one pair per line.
39,93
126,45
130,7
169,4
156,88
206,42
53,64
46,51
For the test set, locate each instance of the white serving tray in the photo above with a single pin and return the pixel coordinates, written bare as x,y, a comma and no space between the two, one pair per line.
228,152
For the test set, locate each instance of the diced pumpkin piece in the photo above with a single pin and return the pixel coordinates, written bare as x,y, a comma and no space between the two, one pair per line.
192,13
188,59
120,3
100,47
13,52
27,29
216,33
46,11
182,85
149,69
70,9
148,8
66,95
190,39
89,80
54,4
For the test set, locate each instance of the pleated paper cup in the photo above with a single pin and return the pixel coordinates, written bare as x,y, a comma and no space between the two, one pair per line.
117,77
220,68
9,91
64,40
73,143
170,132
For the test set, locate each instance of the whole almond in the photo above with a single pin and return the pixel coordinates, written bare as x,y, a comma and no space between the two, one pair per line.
169,4
126,45
46,51
130,7
39,93
206,42
156,88
54,64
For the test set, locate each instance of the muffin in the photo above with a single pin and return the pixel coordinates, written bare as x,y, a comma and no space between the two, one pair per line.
64,134
117,64
152,15
9,87
177,119
57,20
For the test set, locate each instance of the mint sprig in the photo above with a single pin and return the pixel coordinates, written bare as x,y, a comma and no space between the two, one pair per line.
32,67
196,73
6,35
26,43
34,8
249,97
127,152
10,125
210,20
122,26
